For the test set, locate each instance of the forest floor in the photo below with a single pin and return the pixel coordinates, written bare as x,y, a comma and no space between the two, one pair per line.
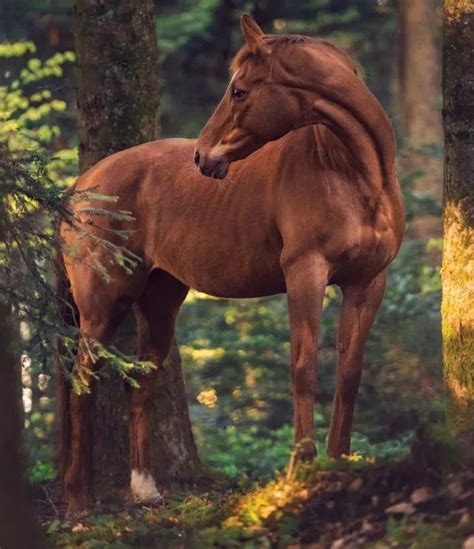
424,501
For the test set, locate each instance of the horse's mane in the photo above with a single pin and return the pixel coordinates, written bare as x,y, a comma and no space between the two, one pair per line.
331,151
281,43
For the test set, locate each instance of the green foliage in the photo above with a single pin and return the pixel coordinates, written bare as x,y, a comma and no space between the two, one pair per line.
238,452
41,472
177,27
250,453
28,108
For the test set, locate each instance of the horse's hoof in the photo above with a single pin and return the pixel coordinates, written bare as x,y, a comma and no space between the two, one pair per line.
306,451
337,450
336,454
144,489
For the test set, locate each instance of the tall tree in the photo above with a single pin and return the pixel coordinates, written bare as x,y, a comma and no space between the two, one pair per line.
458,209
118,104
420,100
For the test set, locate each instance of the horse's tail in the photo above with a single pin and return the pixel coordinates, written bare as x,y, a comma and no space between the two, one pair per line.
69,317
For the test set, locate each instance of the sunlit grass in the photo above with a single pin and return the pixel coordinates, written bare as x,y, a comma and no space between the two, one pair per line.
225,513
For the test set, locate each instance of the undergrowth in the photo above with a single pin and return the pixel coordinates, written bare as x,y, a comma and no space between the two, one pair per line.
248,513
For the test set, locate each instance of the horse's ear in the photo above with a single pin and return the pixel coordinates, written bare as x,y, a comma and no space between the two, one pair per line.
253,35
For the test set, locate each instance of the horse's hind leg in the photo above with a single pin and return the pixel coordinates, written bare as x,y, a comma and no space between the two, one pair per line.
359,307
156,315
100,311
99,320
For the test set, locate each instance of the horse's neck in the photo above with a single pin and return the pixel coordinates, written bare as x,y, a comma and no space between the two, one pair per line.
356,118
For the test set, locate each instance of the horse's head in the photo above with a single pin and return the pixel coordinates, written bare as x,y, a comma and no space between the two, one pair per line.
255,108
279,83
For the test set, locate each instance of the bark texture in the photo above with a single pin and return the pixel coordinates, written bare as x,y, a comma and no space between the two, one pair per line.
117,59
420,101
118,104
17,528
458,207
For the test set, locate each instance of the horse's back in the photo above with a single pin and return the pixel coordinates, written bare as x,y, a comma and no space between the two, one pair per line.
127,167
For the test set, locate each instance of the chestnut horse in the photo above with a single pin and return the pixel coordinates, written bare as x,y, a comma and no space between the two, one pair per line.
316,206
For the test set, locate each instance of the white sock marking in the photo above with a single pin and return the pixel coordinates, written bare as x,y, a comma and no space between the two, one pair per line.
144,488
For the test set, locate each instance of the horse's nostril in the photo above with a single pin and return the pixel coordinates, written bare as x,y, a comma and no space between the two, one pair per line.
196,158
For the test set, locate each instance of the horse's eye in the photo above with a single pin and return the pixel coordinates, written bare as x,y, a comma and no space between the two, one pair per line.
238,94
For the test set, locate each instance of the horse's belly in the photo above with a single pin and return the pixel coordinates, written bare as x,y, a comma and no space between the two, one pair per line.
255,284
232,273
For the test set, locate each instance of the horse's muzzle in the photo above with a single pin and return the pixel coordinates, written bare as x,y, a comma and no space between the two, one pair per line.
211,167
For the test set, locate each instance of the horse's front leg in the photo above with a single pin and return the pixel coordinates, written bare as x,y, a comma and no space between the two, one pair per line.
155,334
359,306
306,280
142,482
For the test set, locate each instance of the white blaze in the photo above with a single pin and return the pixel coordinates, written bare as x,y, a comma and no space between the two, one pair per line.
233,77
144,488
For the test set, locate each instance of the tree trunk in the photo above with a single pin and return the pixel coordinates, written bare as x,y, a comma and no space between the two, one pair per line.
420,102
225,16
118,104
458,208
17,528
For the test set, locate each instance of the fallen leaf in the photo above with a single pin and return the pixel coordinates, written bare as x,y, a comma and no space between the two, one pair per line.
79,527
356,484
366,526
403,508
422,495
455,488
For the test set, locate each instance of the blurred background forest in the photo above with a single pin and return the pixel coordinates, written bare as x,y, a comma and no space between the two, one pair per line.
236,353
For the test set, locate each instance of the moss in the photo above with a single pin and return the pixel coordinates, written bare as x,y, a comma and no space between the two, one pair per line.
458,254
458,318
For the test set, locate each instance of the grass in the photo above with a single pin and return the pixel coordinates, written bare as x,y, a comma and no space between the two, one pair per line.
317,502
227,514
